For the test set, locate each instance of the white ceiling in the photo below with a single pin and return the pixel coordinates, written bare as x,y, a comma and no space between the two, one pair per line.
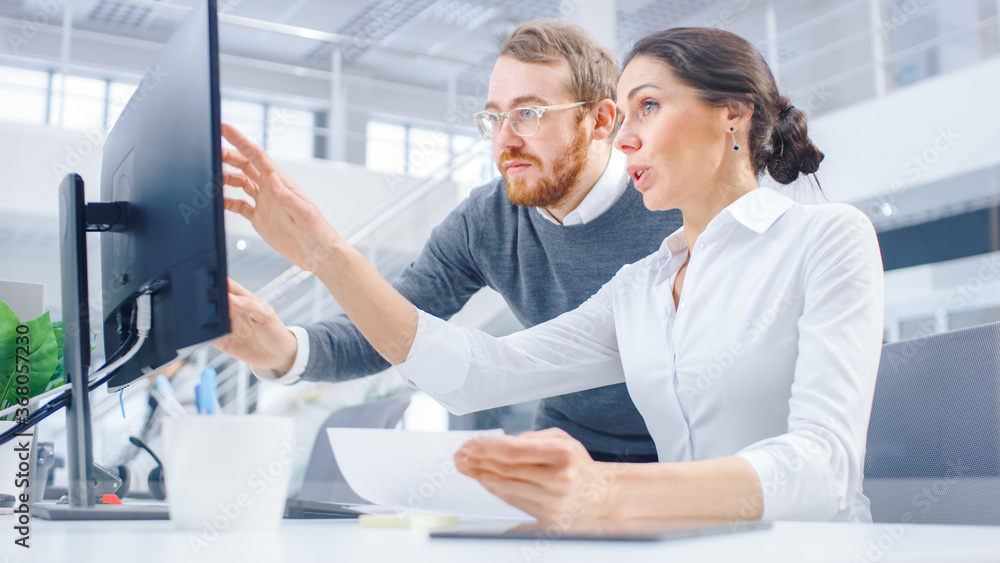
465,30
418,42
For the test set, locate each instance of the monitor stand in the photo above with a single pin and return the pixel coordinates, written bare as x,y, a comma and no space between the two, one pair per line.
52,511
77,218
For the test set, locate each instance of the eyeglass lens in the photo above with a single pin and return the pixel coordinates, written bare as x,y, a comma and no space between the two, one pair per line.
524,122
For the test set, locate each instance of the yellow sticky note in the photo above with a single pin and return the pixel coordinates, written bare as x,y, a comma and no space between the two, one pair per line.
408,520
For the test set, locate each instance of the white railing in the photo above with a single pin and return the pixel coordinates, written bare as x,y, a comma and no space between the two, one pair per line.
369,224
232,376
876,24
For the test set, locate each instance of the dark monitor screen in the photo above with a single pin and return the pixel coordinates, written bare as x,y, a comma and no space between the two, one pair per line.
164,158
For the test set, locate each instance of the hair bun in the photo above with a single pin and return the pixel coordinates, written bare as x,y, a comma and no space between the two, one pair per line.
793,152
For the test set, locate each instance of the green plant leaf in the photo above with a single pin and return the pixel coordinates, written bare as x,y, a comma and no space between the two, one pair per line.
8,334
58,376
42,358
44,353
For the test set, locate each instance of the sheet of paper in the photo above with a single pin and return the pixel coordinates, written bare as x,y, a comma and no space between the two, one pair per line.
26,299
414,470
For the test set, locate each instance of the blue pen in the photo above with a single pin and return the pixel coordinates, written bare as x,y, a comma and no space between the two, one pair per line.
207,393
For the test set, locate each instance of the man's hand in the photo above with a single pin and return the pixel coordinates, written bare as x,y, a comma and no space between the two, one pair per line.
259,338
547,474
281,213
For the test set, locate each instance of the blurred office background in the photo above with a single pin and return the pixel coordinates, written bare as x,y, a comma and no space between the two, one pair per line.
367,103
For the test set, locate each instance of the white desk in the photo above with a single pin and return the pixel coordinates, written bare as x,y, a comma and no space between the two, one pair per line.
303,541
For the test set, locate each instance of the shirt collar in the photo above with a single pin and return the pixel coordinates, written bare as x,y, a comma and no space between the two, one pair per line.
609,187
757,210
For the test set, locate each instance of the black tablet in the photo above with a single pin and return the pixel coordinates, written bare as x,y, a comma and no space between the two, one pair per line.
637,530
298,509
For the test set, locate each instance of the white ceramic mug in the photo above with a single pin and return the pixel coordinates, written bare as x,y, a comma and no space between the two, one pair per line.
228,472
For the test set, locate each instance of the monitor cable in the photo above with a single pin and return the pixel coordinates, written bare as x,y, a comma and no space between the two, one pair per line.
144,318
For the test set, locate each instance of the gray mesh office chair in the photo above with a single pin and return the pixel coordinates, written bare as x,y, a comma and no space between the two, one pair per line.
933,452
323,479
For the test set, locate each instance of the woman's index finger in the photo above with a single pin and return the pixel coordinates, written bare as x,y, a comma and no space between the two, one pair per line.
256,155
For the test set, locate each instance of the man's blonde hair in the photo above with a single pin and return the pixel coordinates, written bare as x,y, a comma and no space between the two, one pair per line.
593,69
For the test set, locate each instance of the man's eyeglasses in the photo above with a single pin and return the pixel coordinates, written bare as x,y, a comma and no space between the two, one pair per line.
523,121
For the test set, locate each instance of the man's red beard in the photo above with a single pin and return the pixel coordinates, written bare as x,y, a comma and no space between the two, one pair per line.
551,189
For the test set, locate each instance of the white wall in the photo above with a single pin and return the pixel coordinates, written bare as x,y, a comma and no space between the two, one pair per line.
35,159
936,129
940,290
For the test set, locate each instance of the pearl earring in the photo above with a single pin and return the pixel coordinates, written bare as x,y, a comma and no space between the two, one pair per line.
735,146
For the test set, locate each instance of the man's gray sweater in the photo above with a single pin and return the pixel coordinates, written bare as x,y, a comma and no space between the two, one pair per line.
542,270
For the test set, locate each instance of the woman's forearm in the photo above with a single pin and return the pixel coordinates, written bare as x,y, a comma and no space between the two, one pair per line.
725,488
386,319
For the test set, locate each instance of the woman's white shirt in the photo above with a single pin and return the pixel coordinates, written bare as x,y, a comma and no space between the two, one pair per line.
771,355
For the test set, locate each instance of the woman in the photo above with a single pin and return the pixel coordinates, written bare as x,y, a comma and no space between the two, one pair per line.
749,342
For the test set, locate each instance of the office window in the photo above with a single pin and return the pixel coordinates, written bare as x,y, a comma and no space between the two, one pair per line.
247,117
24,95
289,132
966,319
427,150
476,171
418,152
85,102
385,147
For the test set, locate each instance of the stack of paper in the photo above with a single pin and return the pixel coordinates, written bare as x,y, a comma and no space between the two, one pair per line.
414,471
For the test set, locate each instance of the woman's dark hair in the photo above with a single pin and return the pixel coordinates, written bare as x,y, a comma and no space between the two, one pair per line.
727,70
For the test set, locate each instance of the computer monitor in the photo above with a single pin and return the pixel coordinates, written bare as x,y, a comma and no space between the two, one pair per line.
164,159
163,236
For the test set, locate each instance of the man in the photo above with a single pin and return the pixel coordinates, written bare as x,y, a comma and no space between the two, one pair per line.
559,223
